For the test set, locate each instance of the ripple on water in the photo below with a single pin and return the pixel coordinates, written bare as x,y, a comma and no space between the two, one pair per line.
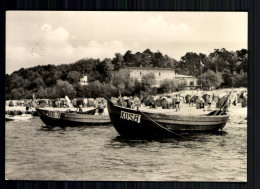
34,152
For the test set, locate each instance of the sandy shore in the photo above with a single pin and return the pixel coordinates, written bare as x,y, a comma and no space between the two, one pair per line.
237,113
21,108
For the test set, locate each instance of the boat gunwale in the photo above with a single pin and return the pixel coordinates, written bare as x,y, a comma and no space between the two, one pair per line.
161,114
91,119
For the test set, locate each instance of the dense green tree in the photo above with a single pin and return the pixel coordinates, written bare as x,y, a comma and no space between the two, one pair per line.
63,88
148,81
79,90
223,59
138,59
17,93
240,80
210,79
181,86
104,68
145,60
15,81
231,67
42,93
242,58
118,61
189,64
157,59
73,77
85,66
170,62
137,87
129,59
227,79
167,85
148,52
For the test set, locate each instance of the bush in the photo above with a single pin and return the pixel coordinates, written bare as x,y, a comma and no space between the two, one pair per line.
97,89
239,80
166,86
210,79
181,86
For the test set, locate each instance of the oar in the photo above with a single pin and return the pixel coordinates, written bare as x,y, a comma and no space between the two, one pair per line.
161,127
219,108
223,104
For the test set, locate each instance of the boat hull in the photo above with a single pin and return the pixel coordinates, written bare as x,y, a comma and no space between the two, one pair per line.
179,123
52,118
18,117
133,123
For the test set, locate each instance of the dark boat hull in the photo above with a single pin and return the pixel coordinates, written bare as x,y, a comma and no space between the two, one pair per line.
133,123
51,118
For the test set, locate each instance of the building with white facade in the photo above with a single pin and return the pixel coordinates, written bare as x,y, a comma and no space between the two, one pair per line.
84,80
138,72
159,73
190,80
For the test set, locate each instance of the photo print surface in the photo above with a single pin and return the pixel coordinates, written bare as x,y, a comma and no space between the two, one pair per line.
126,96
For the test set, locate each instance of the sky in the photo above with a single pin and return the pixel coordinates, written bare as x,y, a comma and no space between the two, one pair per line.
62,37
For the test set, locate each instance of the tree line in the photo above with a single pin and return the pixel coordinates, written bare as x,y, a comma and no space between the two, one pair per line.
221,68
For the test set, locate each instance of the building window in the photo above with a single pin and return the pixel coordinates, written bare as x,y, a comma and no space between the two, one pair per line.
159,73
140,73
191,83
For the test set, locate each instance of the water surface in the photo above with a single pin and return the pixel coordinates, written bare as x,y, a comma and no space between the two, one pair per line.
34,152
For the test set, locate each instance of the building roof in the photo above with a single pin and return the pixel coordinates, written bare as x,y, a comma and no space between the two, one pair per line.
184,76
147,68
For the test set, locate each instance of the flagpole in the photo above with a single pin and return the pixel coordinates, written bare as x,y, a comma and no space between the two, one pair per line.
201,74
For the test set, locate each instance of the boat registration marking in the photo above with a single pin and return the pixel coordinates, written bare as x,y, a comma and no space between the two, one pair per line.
54,115
130,116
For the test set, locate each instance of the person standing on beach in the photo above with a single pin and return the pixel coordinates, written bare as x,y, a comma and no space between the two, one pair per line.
209,101
177,102
80,108
100,108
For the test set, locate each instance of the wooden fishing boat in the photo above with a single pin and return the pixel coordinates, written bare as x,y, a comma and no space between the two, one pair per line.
18,117
135,123
56,118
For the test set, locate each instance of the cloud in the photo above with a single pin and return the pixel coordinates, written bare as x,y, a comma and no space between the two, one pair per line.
17,57
53,47
49,37
106,49
155,28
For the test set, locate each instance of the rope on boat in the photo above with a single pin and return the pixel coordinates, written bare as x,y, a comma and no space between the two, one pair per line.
157,124
160,126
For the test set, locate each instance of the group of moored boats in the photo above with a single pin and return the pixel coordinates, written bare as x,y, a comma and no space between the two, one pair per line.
136,123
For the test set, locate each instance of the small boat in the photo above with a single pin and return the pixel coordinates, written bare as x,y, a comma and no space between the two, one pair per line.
18,117
56,118
139,124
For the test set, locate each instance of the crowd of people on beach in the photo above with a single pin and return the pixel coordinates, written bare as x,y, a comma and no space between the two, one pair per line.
173,101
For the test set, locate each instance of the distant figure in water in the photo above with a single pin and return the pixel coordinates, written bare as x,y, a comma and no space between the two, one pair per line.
177,103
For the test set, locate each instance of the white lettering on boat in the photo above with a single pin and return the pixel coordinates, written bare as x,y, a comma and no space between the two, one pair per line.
54,115
130,116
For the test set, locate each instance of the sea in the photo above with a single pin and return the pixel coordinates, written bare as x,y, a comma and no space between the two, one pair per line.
97,153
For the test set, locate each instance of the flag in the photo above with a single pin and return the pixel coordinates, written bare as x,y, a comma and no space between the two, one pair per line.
201,64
